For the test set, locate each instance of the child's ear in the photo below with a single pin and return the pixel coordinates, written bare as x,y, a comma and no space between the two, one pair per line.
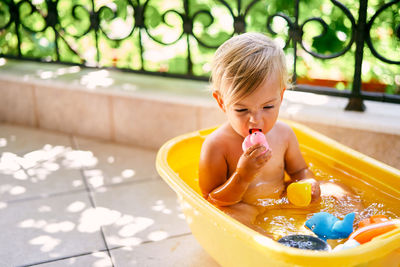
283,91
219,99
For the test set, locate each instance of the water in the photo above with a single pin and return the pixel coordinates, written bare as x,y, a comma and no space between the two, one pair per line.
282,219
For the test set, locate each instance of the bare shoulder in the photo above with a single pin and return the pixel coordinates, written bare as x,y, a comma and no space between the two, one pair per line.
213,164
219,139
284,130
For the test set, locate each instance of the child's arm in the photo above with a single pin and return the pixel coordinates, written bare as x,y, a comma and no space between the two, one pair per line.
296,166
214,183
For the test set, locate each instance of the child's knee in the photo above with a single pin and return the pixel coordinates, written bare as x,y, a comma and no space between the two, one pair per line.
336,190
242,212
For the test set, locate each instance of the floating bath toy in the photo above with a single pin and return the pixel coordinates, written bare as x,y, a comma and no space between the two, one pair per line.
253,138
304,242
373,219
327,226
368,229
367,232
299,193
178,163
351,243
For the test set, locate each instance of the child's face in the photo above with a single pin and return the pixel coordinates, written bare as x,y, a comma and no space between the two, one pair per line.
258,110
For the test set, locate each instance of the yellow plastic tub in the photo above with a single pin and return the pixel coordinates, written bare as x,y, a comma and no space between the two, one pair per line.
231,243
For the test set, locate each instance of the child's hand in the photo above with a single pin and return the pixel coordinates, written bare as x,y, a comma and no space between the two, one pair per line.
252,160
315,189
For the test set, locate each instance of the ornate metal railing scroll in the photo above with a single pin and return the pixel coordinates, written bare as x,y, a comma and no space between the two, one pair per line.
122,33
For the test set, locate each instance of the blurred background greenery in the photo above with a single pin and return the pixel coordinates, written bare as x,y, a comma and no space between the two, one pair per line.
180,36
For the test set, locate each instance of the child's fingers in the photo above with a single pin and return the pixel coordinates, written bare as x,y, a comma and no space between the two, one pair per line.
254,150
316,191
258,151
265,156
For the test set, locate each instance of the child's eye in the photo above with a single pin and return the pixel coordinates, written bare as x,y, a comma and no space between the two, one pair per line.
241,110
268,107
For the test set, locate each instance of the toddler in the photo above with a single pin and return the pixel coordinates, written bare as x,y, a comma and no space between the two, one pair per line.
249,78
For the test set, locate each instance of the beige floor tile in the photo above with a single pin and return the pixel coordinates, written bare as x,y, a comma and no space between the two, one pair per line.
33,162
98,259
20,139
45,229
22,177
117,163
182,251
138,212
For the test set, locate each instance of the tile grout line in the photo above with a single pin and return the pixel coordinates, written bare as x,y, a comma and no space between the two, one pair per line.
43,196
152,241
111,115
49,195
137,181
75,145
35,107
61,258
75,191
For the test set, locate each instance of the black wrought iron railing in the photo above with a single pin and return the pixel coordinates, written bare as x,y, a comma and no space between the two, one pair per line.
177,38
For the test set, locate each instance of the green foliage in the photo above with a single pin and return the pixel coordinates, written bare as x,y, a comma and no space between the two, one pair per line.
163,44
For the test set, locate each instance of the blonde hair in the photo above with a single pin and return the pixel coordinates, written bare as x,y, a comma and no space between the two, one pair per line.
243,62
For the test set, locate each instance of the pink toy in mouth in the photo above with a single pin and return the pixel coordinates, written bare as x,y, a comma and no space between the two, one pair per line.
255,137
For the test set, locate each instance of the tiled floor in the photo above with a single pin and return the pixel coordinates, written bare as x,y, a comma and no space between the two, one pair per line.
71,201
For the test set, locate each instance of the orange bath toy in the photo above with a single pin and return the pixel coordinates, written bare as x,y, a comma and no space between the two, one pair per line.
299,193
373,227
373,219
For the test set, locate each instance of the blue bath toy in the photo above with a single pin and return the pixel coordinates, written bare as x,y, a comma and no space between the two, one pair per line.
327,226
304,242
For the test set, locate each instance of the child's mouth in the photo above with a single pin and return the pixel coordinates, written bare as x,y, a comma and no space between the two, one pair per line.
252,130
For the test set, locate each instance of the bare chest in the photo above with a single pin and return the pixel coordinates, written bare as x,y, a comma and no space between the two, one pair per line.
269,181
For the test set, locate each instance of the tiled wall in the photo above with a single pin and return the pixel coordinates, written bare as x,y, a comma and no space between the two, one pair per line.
150,119
17,103
127,119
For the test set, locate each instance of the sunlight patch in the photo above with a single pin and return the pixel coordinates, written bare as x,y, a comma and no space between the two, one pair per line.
76,206
77,183
20,175
46,242
65,226
8,163
128,242
128,173
17,190
158,235
97,78
92,219
110,159
160,206
139,224
3,142
44,208
79,158
3,205
31,223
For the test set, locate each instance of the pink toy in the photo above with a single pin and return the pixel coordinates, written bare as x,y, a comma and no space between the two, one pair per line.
256,137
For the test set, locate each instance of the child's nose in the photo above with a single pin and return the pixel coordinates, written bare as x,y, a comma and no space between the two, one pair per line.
255,117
